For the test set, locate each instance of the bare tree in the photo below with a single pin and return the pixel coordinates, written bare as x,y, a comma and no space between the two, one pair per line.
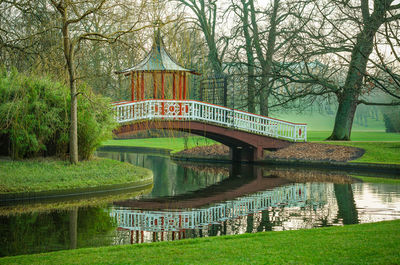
206,19
72,16
343,36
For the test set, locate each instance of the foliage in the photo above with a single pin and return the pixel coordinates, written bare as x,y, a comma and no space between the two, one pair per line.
34,117
95,122
392,119
48,175
375,243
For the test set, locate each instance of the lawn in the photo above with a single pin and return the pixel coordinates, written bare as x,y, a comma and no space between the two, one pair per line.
363,136
378,180
175,144
56,175
375,152
374,243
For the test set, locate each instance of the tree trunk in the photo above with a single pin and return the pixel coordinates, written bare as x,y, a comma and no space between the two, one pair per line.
348,97
251,84
73,137
69,57
250,59
344,119
266,63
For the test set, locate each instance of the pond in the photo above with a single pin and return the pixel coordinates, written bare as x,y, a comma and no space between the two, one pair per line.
189,200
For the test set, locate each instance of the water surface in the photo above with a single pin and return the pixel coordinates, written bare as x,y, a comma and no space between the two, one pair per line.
196,200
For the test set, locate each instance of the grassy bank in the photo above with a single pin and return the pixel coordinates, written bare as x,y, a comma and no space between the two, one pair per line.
375,243
378,180
175,144
363,136
53,175
375,152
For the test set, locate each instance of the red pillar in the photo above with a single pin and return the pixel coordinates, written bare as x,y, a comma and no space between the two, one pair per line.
154,86
180,93
162,93
142,96
137,86
132,87
184,86
173,86
162,86
180,86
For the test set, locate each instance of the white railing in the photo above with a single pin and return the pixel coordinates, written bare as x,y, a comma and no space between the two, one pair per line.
156,221
191,110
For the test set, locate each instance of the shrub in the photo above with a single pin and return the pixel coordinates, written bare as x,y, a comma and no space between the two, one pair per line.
391,116
34,117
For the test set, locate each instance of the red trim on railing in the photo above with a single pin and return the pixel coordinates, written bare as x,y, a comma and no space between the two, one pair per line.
192,100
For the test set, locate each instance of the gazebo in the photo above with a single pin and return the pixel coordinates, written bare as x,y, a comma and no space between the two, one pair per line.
158,68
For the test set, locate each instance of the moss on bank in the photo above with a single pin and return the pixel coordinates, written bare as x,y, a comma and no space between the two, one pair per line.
374,243
56,175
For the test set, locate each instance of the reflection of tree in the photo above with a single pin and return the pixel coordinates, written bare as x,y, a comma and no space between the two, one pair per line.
57,230
345,201
213,229
73,228
250,223
265,223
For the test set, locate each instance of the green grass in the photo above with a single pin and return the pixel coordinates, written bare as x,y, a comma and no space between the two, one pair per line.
313,136
378,180
320,122
48,175
374,243
375,152
175,144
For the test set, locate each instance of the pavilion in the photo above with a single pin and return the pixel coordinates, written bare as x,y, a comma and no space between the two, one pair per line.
159,68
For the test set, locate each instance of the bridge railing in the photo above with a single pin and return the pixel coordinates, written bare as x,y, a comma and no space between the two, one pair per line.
192,110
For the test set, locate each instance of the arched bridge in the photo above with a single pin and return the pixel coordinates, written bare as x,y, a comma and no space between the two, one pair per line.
247,134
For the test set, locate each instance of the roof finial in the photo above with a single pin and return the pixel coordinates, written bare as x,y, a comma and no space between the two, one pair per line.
157,32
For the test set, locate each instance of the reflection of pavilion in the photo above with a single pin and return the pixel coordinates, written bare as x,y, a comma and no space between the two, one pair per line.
178,221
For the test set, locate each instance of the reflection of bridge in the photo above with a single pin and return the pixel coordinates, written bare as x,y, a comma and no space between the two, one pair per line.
249,181
158,221
246,133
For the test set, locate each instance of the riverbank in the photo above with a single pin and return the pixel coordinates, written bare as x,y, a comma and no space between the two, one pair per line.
52,175
373,243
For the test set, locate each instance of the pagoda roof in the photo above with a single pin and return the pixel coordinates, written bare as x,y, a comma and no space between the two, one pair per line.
157,60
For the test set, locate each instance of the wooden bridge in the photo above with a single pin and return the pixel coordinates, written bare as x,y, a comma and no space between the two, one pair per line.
247,134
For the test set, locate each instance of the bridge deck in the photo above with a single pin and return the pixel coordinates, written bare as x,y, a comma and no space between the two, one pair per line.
192,110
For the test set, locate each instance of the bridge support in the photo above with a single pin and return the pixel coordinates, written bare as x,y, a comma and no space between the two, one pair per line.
246,154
